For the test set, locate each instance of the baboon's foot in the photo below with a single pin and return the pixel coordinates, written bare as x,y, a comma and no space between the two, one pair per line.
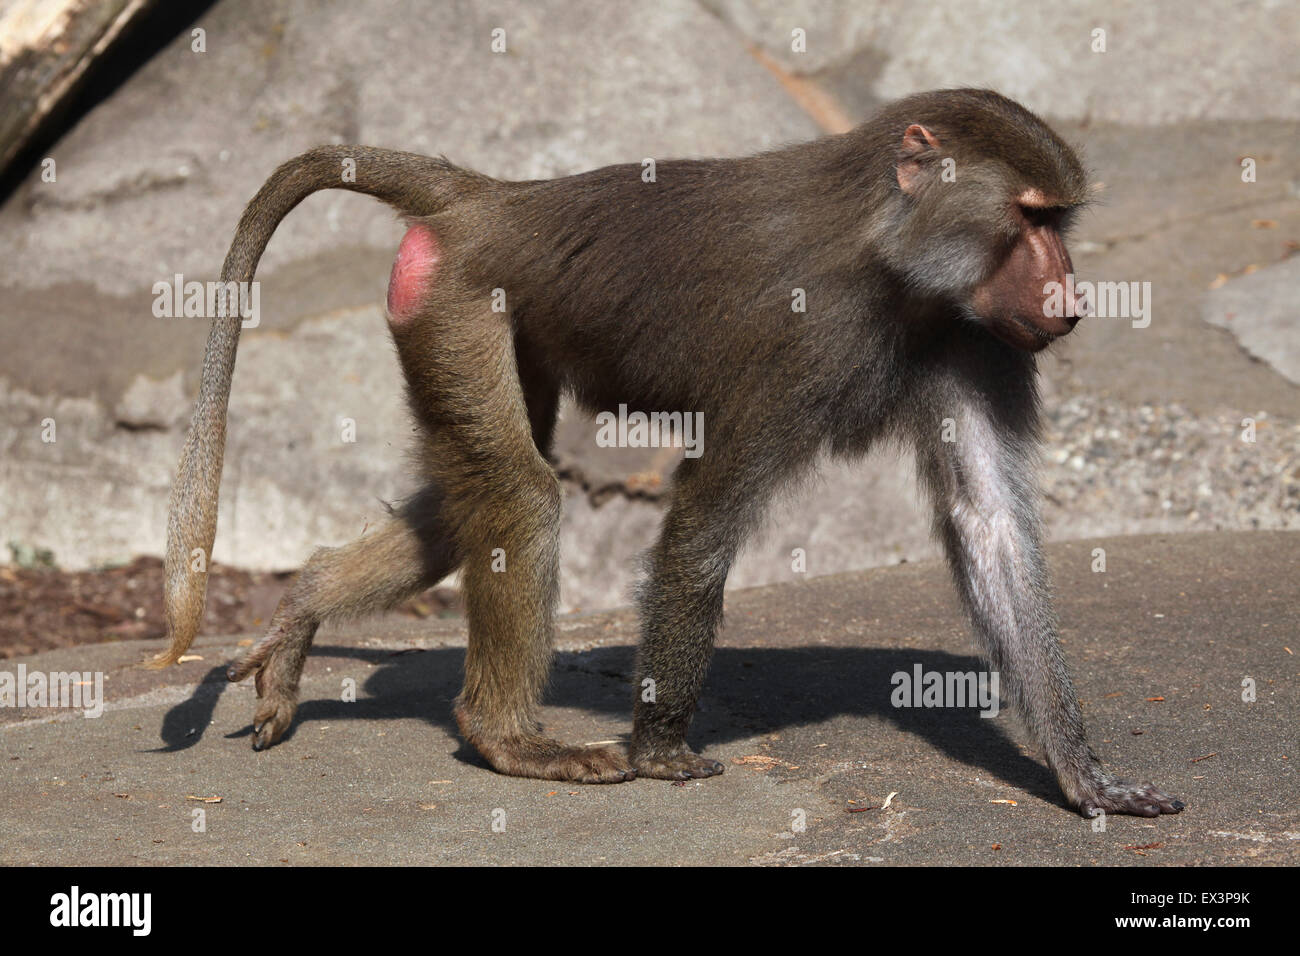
540,757
1113,795
683,764
273,715
545,759
277,694
276,661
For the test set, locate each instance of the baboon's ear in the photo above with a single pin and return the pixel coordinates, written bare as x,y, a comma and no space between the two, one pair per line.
917,141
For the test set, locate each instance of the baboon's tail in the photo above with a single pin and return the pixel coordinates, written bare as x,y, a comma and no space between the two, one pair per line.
415,185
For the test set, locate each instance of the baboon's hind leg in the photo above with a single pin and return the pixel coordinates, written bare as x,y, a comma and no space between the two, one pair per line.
409,552
504,506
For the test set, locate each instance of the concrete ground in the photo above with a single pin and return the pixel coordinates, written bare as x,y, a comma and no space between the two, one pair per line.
797,706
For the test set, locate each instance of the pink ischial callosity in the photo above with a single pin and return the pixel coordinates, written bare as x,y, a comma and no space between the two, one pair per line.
417,260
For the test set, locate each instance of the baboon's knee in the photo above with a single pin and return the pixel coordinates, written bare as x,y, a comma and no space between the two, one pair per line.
546,499
525,506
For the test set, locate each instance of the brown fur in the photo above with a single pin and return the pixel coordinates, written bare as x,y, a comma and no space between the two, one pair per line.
675,295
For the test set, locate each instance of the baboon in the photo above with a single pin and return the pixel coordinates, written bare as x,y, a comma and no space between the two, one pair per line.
924,242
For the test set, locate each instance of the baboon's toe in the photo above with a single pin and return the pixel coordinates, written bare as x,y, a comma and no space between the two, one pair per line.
599,765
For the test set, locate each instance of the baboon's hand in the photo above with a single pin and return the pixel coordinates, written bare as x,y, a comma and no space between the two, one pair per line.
1113,795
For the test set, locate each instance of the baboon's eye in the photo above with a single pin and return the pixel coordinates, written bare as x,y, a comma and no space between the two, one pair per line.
1044,215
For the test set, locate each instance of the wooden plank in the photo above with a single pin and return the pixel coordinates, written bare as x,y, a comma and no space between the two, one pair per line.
46,46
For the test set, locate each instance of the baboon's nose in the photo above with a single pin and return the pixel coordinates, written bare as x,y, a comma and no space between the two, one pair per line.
1077,306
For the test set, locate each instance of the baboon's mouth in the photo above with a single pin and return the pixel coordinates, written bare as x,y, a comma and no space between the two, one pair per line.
1023,335
1038,332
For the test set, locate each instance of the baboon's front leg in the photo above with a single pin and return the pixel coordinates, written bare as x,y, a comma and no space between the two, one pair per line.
716,501
986,514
